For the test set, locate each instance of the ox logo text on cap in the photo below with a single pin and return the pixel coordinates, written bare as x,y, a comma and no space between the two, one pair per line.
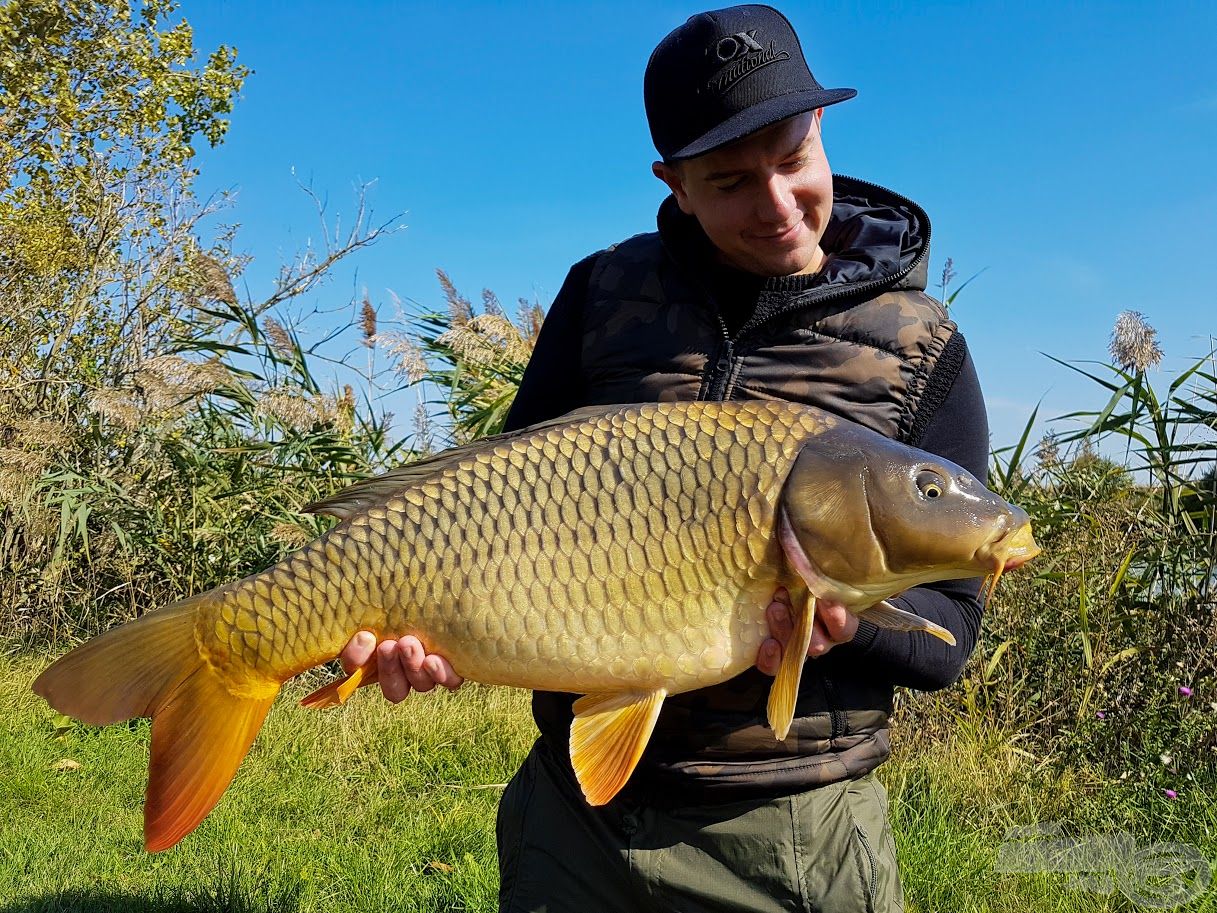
699,89
741,55
733,45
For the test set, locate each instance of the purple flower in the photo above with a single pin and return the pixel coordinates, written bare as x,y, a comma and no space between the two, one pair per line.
1101,715
1170,793
1185,690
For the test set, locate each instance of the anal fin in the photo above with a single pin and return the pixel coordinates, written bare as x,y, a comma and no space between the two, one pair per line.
886,615
785,688
338,691
607,739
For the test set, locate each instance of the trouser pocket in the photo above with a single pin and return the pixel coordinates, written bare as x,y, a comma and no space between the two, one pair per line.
876,846
843,849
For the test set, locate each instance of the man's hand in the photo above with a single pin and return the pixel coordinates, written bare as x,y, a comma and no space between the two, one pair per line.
401,665
834,625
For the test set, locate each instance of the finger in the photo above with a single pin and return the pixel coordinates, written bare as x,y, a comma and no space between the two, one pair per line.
358,651
835,617
780,624
834,626
442,672
842,625
412,657
769,657
820,642
393,683
821,632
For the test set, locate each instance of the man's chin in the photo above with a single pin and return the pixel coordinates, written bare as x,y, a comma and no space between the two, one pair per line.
772,261
775,259
788,264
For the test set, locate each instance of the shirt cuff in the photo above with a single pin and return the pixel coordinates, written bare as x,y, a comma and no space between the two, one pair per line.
865,635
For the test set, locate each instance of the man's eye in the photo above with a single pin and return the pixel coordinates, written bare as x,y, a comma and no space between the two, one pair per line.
796,164
734,185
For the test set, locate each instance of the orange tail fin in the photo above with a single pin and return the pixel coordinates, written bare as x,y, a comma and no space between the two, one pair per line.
200,730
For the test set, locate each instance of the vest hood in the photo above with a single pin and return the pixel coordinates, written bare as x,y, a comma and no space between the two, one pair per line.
875,238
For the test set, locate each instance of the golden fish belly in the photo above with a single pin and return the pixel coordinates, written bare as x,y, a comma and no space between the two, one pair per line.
632,550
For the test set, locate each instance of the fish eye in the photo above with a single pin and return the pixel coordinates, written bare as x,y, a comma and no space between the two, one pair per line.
931,484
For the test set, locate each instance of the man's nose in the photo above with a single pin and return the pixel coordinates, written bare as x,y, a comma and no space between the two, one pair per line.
777,201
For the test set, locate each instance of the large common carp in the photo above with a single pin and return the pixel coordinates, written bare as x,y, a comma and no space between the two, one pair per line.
622,552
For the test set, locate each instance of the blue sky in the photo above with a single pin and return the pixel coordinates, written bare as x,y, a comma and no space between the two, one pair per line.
1065,149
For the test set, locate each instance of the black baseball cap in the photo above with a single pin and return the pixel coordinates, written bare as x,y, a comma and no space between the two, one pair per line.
725,74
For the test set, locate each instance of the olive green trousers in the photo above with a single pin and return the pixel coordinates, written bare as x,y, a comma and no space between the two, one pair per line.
828,850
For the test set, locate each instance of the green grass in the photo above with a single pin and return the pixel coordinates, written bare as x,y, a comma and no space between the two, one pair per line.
376,807
952,805
366,807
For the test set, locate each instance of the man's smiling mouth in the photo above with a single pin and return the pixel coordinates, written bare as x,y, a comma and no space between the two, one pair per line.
781,235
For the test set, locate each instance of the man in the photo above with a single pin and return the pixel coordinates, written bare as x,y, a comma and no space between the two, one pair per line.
768,278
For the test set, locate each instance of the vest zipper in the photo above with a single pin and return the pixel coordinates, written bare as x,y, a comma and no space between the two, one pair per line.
717,387
836,714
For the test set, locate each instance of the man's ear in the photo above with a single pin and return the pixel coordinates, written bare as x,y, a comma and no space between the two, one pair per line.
670,175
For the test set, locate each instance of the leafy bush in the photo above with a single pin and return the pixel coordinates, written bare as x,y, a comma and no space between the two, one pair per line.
157,433
1103,652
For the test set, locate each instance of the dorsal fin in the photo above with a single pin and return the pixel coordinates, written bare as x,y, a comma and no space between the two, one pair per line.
367,493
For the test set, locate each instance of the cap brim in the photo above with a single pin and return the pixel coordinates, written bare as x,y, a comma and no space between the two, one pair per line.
761,115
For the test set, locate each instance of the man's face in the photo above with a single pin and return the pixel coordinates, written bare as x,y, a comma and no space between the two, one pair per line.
764,201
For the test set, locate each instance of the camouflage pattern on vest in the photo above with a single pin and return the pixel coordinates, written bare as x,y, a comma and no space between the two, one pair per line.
649,336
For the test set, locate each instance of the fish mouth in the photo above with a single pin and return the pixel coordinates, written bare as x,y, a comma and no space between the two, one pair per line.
1014,549
1018,547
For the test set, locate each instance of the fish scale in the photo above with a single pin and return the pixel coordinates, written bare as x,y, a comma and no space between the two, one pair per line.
625,553
636,535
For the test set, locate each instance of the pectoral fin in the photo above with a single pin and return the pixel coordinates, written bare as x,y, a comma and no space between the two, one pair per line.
337,692
785,688
607,738
886,615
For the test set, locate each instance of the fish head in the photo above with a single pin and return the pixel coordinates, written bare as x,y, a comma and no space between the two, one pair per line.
875,517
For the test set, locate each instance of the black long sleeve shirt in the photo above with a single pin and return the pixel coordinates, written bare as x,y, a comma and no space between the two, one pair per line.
957,431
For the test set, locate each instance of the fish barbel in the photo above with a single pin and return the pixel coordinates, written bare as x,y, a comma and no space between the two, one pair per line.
624,553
